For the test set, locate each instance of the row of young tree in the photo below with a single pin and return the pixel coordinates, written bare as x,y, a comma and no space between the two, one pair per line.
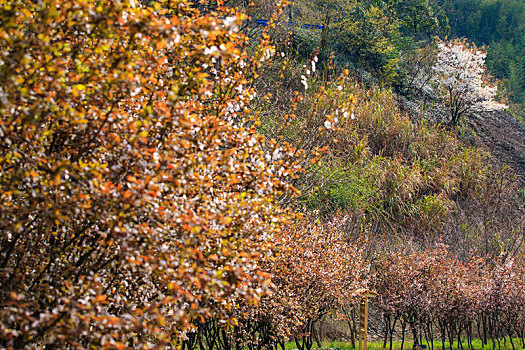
435,297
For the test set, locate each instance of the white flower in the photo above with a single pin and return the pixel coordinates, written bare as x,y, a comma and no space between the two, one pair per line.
327,124
229,22
210,50
304,82
340,88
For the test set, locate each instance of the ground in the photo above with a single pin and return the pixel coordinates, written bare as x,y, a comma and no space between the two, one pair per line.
503,136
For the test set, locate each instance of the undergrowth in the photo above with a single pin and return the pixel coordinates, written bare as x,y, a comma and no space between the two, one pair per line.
407,176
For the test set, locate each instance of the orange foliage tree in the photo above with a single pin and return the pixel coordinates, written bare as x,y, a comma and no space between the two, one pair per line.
136,192
319,272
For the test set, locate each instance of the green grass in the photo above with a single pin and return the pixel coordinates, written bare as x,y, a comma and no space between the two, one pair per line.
378,345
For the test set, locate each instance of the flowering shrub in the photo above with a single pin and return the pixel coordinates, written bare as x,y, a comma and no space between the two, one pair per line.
136,193
142,208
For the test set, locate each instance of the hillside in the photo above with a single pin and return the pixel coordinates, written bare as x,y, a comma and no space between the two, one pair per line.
503,136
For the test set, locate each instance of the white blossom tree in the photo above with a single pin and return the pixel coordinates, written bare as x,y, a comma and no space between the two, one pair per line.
460,78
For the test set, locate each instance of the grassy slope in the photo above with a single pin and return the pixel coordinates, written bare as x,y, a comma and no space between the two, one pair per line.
377,345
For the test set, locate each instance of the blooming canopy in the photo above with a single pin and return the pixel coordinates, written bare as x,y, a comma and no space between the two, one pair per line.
460,77
137,194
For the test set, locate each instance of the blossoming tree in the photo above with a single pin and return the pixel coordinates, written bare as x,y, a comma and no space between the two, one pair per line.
460,77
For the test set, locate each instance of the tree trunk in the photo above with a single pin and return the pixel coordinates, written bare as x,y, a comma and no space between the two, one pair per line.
350,319
460,343
387,330
316,332
403,327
